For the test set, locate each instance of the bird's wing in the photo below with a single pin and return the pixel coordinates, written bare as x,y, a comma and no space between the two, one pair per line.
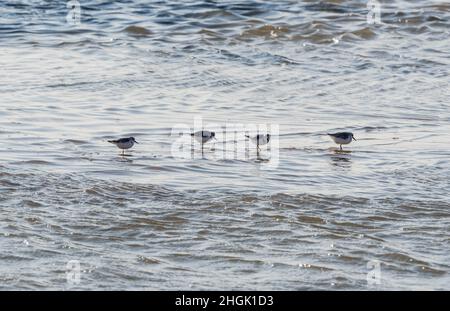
339,135
120,141
343,135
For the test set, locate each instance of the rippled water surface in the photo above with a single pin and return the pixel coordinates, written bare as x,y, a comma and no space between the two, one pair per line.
315,219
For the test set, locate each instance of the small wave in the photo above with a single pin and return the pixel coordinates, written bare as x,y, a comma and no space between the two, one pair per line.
137,31
76,141
266,31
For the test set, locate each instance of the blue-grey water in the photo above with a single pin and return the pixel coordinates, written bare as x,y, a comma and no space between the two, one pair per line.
376,216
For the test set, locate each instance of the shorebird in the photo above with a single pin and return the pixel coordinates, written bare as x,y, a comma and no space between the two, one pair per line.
342,138
203,136
259,140
124,143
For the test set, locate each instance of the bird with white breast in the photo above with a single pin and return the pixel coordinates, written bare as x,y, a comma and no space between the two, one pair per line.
342,138
124,143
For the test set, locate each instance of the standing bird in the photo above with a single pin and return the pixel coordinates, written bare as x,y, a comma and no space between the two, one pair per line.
342,138
259,140
124,143
203,136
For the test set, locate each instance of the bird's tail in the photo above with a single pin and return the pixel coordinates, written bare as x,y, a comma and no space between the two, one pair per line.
112,141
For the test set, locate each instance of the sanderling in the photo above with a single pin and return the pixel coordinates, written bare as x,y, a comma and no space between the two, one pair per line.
343,138
124,143
259,139
203,136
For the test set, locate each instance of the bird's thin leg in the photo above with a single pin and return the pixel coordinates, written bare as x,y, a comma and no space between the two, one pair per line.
341,147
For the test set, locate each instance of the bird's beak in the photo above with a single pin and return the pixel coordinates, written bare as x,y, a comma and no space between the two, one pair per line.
354,138
136,142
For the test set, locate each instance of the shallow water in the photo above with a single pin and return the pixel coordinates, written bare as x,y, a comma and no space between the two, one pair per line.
314,219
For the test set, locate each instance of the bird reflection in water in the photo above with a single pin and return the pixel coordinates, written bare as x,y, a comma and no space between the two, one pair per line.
261,159
124,159
341,159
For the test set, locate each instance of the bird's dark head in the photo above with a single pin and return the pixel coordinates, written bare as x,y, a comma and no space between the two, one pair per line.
133,140
213,134
268,137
